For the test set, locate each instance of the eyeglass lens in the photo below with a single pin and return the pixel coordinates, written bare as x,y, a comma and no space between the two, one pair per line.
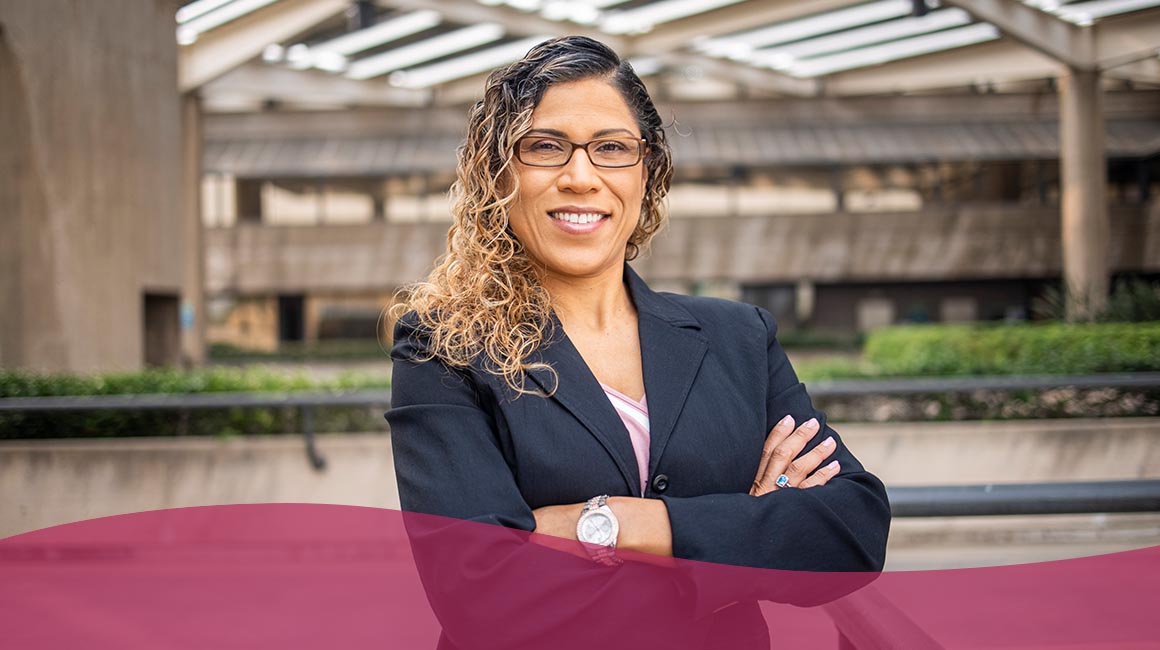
552,152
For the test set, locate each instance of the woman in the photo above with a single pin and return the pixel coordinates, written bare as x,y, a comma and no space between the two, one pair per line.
539,384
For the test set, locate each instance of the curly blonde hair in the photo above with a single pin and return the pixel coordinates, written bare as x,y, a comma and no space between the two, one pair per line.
483,300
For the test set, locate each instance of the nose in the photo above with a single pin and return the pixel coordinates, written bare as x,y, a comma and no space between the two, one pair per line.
579,174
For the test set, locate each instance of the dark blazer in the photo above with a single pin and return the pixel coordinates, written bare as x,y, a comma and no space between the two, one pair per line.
716,381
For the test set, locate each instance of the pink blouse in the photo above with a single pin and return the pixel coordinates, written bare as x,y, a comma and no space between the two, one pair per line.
634,414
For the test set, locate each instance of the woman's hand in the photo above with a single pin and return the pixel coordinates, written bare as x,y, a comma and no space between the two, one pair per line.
782,445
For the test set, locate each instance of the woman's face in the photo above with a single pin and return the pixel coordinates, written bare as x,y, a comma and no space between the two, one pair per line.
551,199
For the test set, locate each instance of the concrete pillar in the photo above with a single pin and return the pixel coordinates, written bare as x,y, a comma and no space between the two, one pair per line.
193,315
1083,185
805,300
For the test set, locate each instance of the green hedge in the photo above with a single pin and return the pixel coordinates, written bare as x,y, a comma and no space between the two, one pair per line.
1022,349
337,349
215,422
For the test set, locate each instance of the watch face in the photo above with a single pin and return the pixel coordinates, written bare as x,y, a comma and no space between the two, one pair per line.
597,528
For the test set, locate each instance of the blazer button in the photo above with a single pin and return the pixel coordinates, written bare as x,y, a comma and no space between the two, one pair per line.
660,483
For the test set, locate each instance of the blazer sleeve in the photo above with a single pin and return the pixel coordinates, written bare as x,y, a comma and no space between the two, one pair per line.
448,459
841,526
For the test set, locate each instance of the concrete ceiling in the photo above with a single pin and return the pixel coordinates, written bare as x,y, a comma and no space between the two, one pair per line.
243,55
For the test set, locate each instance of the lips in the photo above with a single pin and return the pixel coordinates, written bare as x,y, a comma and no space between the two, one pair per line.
577,220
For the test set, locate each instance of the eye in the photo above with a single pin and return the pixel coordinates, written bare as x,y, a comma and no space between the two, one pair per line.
544,145
612,146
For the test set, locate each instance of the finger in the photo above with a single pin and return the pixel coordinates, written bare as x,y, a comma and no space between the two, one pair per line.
785,451
803,465
822,476
776,435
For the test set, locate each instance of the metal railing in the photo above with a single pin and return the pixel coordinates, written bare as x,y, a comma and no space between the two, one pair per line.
908,502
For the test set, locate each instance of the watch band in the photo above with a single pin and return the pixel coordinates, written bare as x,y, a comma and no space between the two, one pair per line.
603,552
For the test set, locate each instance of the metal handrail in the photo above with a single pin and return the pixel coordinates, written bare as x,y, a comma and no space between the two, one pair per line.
1087,497
928,385
305,401
382,396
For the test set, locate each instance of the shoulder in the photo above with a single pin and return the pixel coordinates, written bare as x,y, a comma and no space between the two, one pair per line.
410,341
719,315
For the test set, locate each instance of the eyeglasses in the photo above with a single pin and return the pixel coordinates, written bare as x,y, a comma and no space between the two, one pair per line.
544,151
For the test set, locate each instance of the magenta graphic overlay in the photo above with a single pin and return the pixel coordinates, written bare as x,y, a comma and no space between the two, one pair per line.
322,576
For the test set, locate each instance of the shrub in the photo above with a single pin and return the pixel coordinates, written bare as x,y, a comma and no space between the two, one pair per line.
1018,349
217,422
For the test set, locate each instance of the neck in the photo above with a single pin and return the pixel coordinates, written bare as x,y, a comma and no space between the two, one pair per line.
597,303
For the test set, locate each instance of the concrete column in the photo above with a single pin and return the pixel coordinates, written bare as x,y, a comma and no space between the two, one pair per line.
1083,179
193,314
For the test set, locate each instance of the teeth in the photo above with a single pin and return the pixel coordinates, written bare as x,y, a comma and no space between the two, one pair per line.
573,217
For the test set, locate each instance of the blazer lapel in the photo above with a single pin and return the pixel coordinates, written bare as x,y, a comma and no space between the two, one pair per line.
672,349
580,393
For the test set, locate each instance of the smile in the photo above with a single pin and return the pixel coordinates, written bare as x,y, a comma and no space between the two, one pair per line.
577,217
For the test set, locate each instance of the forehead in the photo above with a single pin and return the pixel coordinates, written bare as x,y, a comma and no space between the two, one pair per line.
581,108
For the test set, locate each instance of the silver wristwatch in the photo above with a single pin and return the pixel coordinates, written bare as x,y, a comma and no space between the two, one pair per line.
598,529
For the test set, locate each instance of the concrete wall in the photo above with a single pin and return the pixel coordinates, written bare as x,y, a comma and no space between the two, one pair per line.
43,483
954,243
90,179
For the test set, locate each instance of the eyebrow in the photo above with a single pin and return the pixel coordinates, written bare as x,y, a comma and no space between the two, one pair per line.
599,134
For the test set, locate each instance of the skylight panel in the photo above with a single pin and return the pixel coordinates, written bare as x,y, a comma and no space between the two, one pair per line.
425,50
739,45
188,32
643,19
464,66
1085,13
384,32
784,56
199,8
906,48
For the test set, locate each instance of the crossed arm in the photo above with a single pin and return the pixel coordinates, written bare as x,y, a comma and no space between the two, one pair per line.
644,523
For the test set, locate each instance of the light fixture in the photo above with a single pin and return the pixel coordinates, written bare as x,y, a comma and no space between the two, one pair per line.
384,32
848,40
327,60
645,66
425,50
464,66
886,52
644,18
273,53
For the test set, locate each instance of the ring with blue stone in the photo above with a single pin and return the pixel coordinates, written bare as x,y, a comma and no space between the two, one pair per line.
782,481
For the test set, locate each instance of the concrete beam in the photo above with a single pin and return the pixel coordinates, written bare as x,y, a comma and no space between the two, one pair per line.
1039,30
229,46
1085,227
258,82
745,75
1147,71
743,16
1127,38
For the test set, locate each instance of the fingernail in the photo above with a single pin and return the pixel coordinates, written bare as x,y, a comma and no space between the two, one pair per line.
833,465
787,421
828,442
811,423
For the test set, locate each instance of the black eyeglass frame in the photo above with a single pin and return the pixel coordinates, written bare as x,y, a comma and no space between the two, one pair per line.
641,144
